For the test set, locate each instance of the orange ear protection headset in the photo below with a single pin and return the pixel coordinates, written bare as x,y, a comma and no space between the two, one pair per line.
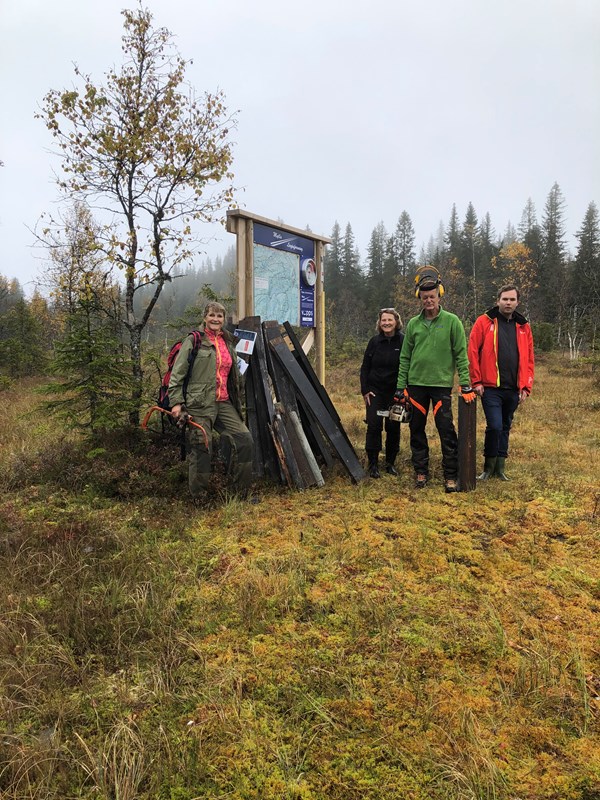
428,275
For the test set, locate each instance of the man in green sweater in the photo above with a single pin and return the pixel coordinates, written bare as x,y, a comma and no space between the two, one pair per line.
434,348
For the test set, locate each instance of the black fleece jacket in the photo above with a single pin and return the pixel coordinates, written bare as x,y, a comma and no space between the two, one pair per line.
379,369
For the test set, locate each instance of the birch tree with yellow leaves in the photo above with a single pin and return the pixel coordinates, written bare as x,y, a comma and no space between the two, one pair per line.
151,159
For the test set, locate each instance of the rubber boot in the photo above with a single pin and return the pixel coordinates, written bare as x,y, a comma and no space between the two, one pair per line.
373,465
489,468
390,461
499,471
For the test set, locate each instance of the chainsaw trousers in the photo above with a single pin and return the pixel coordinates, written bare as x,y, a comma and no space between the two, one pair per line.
376,424
236,444
499,406
440,398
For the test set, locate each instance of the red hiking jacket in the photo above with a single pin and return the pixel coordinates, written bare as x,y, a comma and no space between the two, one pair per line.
483,351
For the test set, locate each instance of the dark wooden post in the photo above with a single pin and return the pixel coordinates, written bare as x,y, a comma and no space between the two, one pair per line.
467,445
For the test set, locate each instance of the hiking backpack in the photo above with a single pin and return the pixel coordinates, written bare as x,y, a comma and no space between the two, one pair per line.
163,394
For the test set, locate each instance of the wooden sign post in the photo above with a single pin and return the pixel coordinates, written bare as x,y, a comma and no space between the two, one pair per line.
467,445
280,276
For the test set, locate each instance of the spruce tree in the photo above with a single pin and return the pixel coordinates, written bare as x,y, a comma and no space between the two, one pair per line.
332,264
468,262
94,378
585,276
488,249
350,301
529,231
22,353
404,236
377,292
509,236
552,268
530,235
94,381
452,242
352,277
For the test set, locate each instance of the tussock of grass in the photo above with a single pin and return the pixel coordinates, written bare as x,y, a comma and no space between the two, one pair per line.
368,641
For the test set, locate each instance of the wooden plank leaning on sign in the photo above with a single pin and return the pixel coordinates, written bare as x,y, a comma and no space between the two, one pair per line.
252,413
467,445
261,411
288,408
285,448
310,423
332,430
318,444
273,425
308,370
291,459
312,462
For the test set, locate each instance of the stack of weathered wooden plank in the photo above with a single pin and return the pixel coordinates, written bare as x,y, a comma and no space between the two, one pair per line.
296,430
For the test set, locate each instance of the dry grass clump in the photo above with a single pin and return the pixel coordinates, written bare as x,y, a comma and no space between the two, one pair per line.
371,642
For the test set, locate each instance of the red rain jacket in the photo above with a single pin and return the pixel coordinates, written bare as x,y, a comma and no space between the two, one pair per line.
483,351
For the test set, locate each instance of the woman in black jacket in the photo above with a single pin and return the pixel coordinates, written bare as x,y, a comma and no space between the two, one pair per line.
378,378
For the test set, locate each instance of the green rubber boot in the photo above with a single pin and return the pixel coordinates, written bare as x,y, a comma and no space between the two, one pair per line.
489,467
499,471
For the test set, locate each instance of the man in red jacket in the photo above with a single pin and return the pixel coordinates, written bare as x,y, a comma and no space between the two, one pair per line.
501,366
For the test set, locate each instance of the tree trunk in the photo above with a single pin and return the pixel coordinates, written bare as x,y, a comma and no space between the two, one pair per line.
135,337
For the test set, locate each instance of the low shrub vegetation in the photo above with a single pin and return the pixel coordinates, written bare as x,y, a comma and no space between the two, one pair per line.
350,642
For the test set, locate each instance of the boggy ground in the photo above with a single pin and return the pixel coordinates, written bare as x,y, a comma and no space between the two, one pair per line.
369,641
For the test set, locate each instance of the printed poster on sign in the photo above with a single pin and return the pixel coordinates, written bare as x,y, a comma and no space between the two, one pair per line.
285,275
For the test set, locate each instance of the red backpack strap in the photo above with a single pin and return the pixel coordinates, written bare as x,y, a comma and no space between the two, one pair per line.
197,336
173,352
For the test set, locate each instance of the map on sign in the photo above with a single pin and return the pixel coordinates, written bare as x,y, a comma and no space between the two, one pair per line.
276,284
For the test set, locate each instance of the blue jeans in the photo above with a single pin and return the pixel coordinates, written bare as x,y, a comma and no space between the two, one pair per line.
499,406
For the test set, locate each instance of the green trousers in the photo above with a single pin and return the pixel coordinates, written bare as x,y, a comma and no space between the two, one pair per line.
237,444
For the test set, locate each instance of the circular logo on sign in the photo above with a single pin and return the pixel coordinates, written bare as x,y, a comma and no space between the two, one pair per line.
308,270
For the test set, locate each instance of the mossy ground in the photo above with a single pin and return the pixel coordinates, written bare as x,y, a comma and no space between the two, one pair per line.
369,641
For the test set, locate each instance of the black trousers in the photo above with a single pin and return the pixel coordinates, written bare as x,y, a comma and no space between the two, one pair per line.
440,398
375,426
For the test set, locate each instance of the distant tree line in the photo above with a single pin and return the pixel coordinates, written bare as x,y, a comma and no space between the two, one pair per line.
75,332
560,293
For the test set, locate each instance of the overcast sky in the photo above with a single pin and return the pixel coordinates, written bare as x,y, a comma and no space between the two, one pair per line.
347,111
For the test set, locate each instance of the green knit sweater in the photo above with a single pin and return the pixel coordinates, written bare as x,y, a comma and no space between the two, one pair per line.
432,351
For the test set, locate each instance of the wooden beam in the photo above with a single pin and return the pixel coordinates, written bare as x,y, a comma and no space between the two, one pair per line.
320,314
288,408
308,341
263,401
312,462
242,214
252,412
240,256
249,261
302,359
334,433
467,445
